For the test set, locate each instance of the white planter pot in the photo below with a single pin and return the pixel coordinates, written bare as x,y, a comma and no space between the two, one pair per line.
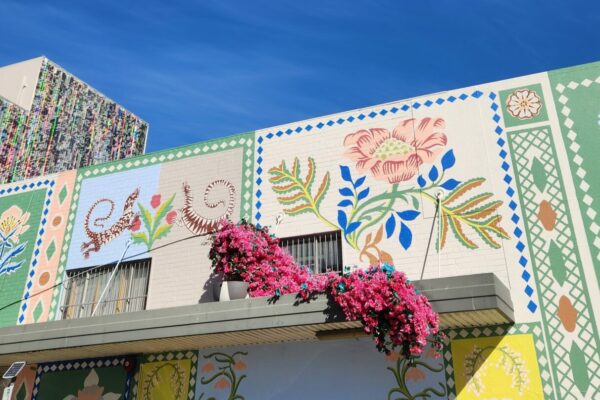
230,290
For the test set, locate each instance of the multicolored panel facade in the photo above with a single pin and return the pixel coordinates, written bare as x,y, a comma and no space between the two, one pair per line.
69,125
496,178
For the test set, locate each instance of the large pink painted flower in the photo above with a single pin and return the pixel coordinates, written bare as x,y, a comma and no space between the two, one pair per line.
395,156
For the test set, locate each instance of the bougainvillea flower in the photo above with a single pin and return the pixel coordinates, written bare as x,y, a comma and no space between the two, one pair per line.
171,216
155,202
12,223
395,156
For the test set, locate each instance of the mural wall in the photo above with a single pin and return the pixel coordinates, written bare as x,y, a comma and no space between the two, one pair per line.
495,178
69,125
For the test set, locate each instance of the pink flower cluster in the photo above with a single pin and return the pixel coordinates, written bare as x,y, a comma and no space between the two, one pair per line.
389,307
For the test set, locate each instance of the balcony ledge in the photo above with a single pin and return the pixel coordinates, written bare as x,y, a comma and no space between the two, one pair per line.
462,301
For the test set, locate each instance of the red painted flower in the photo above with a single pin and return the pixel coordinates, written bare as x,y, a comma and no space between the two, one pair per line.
208,367
171,216
239,365
395,156
155,202
136,224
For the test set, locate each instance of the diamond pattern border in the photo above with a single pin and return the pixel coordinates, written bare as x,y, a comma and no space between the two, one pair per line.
525,145
245,141
499,330
79,364
512,204
326,123
22,187
167,356
582,184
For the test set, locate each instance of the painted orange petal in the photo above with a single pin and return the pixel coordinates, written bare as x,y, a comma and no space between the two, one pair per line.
239,365
415,374
222,384
208,367
404,131
393,356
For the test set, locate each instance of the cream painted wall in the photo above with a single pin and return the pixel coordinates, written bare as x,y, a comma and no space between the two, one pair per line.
18,81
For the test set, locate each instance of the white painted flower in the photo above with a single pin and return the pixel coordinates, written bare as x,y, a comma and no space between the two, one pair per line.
91,390
524,104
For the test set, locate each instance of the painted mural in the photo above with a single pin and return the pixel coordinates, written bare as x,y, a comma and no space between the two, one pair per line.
496,178
69,125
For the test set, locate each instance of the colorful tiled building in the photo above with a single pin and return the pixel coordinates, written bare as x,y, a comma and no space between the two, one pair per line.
509,256
51,121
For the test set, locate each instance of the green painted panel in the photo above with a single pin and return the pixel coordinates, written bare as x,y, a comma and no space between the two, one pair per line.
92,382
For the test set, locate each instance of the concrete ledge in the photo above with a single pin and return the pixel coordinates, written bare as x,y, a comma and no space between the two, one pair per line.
461,301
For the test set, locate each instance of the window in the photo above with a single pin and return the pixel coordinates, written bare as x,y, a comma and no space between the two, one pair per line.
127,290
321,252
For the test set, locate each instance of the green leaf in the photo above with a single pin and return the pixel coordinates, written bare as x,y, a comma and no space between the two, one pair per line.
540,178
162,231
323,188
557,263
162,210
310,175
579,369
139,237
146,217
415,202
22,393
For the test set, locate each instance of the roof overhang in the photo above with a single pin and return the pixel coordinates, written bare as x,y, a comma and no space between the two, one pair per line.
462,301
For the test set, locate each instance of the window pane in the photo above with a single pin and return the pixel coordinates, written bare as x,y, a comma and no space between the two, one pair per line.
320,253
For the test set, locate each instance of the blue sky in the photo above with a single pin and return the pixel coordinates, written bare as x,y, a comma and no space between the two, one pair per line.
207,68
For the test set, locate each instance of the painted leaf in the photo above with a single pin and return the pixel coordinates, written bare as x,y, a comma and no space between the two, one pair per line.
386,258
450,184
540,178
463,188
139,237
346,192
441,239
342,219
345,171
390,226
405,236
363,194
359,181
146,217
421,181
378,235
301,209
296,169
161,232
22,393
352,227
310,175
415,203
322,190
408,215
460,234
163,209
433,173
579,368
557,263
345,203
448,160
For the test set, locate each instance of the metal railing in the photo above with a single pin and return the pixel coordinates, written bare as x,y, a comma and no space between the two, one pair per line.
321,252
126,292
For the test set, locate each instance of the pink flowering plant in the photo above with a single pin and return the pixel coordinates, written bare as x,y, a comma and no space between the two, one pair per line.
387,304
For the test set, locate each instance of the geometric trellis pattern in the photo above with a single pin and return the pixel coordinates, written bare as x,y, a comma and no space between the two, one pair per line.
556,261
168,356
512,204
245,141
581,176
499,330
79,364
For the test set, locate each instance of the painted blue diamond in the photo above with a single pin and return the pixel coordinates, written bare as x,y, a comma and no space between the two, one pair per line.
351,118
257,215
289,131
532,306
258,193
507,178
258,204
361,116
440,101
518,232
520,246
416,105
503,154
505,166
298,130
523,261
383,112
340,121
372,114
499,130
320,125
494,106
510,191
330,122
451,99
308,127
463,96
501,142
259,170
428,103
528,290
394,110
515,218
259,181
270,136
496,118
526,276
260,150
259,160
512,205
477,94
405,107
492,95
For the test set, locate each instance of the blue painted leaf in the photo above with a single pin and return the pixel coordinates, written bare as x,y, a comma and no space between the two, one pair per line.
345,203
450,184
345,173
363,194
390,225
359,181
342,219
408,215
346,192
405,236
448,160
421,181
433,173
352,227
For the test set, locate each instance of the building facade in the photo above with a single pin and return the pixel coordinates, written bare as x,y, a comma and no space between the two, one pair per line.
509,254
51,121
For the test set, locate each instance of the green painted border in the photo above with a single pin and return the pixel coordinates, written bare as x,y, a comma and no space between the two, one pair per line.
244,141
540,140
499,330
167,356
